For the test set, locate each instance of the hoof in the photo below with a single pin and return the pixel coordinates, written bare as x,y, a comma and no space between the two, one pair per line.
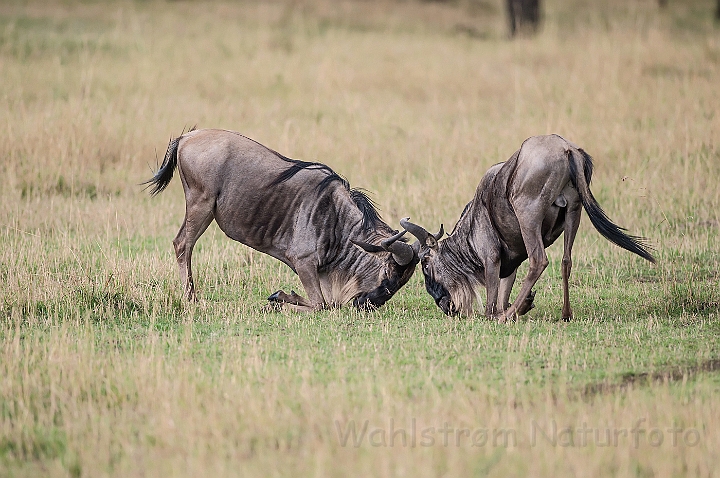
280,297
528,304
530,300
567,319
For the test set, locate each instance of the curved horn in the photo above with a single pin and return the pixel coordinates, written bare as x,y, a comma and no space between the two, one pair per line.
368,247
414,229
390,240
402,253
426,239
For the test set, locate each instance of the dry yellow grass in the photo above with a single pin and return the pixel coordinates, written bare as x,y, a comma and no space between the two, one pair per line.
156,409
105,372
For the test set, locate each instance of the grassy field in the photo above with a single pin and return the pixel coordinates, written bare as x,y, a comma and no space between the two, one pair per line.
106,371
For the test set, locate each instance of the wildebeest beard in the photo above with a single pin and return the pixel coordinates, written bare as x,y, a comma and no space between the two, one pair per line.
442,297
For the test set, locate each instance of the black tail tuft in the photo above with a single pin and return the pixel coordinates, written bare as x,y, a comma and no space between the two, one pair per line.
610,231
615,233
163,175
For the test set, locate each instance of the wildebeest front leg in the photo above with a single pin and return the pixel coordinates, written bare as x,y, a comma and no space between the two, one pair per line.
527,305
307,272
291,300
506,286
492,286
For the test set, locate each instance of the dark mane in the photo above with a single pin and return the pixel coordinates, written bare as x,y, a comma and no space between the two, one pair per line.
371,217
465,209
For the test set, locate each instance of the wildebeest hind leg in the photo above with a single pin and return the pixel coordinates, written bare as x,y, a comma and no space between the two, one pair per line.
572,221
198,216
506,286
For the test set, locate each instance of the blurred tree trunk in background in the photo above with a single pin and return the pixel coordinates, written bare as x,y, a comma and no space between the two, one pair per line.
663,3
524,15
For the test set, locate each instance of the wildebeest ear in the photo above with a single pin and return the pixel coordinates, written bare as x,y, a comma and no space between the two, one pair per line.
431,240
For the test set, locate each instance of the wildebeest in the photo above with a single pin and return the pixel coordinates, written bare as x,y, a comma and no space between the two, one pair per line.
299,212
520,207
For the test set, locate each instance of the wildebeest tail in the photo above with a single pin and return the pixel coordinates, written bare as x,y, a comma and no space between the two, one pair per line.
581,166
163,175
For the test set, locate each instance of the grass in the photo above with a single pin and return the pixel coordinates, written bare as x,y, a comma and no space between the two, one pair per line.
106,371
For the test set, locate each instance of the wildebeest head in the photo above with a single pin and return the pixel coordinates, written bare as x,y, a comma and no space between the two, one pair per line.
399,267
437,280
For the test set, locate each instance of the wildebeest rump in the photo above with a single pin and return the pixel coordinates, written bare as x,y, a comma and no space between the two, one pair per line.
299,212
520,207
